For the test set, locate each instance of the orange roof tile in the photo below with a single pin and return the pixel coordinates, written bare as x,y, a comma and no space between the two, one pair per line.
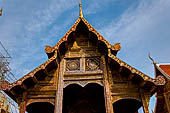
165,68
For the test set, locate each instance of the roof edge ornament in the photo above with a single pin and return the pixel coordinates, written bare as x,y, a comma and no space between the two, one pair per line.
151,59
81,12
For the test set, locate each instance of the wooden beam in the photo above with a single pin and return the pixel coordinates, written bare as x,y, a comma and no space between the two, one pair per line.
120,69
59,91
34,79
23,86
145,101
66,44
109,60
46,72
12,92
142,83
152,89
167,101
56,60
131,76
107,89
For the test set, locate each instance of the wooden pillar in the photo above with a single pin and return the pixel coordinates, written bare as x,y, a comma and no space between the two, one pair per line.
22,107
59,91
22,104
107,95
167,101
145,97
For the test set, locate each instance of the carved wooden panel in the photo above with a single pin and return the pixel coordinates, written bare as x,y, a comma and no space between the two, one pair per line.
83,83
93,64
73,64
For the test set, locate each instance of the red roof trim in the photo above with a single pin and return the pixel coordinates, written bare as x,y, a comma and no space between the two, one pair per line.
164,69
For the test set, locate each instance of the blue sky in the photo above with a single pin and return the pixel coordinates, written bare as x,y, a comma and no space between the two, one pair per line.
141,26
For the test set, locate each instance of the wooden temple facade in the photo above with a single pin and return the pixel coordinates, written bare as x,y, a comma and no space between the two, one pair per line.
163,92
83,75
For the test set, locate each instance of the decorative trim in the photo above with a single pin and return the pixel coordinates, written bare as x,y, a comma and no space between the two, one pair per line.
93,64
125,97
31,101
133,70
160,80
72,65
32,73
82,83
166,75
115,47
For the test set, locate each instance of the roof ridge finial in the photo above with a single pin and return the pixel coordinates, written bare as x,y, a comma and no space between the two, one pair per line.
151,59
80,13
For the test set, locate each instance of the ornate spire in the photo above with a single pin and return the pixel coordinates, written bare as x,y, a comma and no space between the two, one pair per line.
80,13
151,59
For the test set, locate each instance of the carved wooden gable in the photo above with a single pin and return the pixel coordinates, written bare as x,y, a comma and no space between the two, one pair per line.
82,57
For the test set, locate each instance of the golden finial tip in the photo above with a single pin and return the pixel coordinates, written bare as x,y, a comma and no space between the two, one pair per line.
1,11
81,12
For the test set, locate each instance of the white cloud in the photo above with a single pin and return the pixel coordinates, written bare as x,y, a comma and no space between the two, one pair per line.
136,22
42,18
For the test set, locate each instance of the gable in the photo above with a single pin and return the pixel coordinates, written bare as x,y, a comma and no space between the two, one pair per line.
164,69
82,23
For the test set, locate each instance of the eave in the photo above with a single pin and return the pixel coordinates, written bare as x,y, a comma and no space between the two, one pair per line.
157,66
33,77
144,80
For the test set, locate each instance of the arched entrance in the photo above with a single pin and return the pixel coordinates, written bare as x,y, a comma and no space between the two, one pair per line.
88,99
40,107
126,106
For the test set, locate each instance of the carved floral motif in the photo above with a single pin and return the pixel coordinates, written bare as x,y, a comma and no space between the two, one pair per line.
160,80
73,65
93,64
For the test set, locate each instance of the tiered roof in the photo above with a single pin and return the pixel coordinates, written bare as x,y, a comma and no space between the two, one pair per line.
164,69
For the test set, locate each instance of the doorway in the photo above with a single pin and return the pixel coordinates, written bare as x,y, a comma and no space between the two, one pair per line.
40,107
88,99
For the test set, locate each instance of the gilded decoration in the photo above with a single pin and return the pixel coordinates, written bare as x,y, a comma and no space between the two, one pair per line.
160,80
115,47
73,65
133,70
93,64
75,46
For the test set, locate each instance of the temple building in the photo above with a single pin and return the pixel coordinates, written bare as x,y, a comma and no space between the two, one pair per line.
163,92
83,75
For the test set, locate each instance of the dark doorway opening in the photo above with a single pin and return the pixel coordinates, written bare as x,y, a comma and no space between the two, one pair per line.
40,107
126,106
88,99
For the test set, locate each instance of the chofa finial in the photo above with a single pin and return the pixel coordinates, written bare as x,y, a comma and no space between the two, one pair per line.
80,13
151,59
